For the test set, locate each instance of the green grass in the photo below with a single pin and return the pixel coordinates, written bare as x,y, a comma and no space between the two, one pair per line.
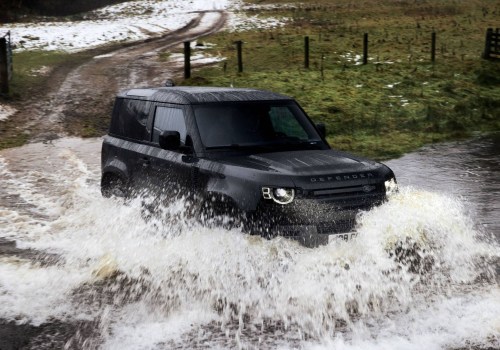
28,83
455,96
27,75
13,140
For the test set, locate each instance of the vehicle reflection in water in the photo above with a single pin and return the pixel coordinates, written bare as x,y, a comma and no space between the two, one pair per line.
93,273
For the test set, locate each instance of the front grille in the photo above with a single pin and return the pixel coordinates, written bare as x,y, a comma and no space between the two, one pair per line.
349,197
362,190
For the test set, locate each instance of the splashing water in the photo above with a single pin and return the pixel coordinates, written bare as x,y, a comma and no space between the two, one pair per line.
418,275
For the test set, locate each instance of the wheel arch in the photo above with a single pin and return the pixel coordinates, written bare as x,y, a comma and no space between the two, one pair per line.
116,170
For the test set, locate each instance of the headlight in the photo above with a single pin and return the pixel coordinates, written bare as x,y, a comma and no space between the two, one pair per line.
279,195
391,186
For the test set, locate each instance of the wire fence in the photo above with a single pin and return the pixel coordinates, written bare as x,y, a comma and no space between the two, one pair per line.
321,51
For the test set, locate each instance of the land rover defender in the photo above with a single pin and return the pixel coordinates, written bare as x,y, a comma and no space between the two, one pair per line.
251,154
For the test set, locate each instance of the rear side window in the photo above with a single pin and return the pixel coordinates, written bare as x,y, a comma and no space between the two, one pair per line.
171,119
130,119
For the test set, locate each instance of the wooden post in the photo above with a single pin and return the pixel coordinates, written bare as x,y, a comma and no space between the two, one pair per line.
187,60
365,48
306,52
4,68
10,65
239,49
496,39
487,46
433,47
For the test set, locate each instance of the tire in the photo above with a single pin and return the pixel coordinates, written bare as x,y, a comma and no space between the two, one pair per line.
114,186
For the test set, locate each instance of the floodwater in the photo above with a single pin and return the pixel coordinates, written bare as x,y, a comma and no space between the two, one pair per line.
81,271
468,170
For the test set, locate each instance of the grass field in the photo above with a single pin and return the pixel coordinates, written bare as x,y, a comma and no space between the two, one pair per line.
396,103
31,68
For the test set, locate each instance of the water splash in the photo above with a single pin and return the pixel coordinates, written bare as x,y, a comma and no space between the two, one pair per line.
418,272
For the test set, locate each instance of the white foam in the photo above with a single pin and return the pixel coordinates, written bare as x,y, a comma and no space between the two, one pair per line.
190,278
30,293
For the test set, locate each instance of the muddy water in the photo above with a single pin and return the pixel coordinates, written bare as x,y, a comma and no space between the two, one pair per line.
469,170
80,271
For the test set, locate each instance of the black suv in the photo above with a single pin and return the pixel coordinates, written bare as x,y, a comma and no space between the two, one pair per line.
252,154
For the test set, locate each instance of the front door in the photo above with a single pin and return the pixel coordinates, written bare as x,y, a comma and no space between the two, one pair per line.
171,171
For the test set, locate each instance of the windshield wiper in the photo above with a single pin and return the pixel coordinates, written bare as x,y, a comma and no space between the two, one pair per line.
231,146
256,146
298,143
266,145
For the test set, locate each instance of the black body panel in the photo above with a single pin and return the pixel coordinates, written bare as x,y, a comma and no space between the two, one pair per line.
328,187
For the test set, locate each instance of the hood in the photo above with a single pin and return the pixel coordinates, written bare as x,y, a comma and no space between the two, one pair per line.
305,163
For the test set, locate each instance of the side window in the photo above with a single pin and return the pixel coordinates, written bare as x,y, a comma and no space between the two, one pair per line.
284,122
130,118
168,118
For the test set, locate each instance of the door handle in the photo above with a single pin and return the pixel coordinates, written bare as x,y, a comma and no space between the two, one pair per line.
189,159
145,162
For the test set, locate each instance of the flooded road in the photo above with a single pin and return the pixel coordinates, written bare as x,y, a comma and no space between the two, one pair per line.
81,271
469,170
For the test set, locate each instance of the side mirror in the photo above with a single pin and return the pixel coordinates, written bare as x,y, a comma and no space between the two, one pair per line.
170,140
321,129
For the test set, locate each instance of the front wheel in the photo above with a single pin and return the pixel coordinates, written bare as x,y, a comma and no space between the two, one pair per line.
219,212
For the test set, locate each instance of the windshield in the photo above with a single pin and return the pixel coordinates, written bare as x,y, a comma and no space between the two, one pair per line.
253,124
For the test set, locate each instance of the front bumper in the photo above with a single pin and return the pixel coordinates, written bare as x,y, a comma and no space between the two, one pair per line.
316,235
311,221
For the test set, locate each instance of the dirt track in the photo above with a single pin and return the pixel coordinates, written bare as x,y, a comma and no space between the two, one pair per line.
78,100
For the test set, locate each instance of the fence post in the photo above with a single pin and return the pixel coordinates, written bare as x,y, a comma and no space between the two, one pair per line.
306,52
497,40
365,48
10,66
4,67
433,47
187,60
239,49
487,47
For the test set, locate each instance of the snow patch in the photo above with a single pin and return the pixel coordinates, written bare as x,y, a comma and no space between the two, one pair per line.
199,58
6,111
43,70
239,22
127,22
390,86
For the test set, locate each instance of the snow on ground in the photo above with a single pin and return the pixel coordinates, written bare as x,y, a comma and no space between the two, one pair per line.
241,22
129,21
199,58
6,112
